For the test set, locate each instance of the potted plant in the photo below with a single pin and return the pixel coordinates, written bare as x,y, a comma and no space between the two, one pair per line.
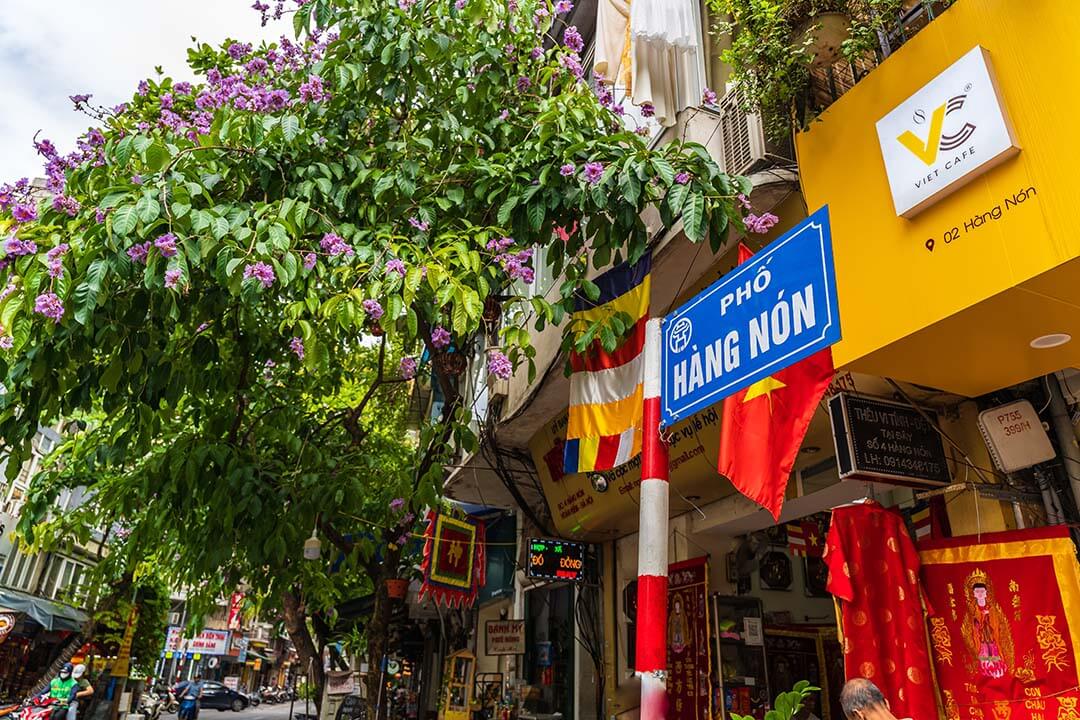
777,44
397,588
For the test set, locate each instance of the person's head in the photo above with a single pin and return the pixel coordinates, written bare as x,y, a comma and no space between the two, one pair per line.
78,671
198,677
979,591
65,671
862,700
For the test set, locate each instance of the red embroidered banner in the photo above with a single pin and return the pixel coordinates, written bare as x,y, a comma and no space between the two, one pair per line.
1003,644
454,564
689,696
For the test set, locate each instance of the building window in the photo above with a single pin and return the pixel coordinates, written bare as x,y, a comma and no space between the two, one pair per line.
64,579
21,571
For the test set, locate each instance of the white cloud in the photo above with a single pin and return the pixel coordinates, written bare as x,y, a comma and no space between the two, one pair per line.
50,49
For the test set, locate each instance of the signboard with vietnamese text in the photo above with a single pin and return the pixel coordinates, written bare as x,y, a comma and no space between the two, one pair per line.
886,441
770,312
121,666
553,559
207,642
504,637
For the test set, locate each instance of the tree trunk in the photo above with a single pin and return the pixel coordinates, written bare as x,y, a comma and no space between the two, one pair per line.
378,635
296,626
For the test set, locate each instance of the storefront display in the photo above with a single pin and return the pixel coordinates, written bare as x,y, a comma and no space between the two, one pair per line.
874,574
808,653
740,677
1005,627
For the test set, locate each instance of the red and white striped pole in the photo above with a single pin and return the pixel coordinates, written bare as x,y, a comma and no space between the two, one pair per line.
651,646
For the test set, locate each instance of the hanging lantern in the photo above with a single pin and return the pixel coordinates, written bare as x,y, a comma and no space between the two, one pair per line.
312,547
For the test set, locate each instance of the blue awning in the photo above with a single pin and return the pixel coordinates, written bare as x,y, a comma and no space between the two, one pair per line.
47,613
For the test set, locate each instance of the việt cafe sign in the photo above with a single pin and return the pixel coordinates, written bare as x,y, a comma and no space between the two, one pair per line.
945,135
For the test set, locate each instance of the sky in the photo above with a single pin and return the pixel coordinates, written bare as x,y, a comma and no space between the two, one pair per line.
50,49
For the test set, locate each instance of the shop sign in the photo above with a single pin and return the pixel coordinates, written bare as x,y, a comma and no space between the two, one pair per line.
552,559
208,642
236,605
232,682
881,440
945,135
340,682
122,665
770,312
504,637
241,647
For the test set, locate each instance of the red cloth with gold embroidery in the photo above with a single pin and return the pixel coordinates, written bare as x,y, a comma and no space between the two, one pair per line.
1006,631
874,573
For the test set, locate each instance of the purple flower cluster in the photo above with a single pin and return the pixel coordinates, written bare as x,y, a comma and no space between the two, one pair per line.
406,5
396,266
499,244
567,169
15,247
373,309
760,224
408,368
166,245
261,272
517,265
49,305
682,178
745,202
334,245
572,39
296,345
7,342
397,504
138,253
647,110
182,88
563,6
592,172
24,212
309,261
460,4
172,277
55,259
238,51
418,224
708,97
79,99
312,91
499,365
440,337
12,194
523,84
572,63
65,204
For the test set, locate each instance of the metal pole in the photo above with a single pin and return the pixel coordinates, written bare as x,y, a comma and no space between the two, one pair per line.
651,651
1066,437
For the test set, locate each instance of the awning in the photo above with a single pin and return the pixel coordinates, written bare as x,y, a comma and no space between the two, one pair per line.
50,615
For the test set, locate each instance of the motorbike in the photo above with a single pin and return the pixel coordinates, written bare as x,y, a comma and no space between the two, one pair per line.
150,705
168,700
37,708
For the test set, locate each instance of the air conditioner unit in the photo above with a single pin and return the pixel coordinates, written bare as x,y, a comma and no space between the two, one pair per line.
498,390
742,138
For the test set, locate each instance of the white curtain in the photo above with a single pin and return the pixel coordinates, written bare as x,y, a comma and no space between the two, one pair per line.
612,17
667,55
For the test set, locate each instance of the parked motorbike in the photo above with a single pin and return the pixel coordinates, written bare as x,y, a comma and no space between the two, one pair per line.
169,703
150,705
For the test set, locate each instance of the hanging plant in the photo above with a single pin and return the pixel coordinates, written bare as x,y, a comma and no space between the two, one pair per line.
776,44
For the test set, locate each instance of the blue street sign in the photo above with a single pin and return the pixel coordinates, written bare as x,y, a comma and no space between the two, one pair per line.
772,311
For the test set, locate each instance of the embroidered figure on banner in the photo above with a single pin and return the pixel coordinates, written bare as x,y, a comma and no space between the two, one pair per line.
678,628
1051,643
986,628
1067,709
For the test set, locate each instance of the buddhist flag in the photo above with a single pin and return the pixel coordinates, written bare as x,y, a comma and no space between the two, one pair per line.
764,425
604,427
805,539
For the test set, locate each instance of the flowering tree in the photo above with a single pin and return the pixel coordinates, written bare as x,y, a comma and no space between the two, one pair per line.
233,280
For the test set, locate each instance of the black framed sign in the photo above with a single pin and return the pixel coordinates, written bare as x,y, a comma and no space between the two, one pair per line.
553,559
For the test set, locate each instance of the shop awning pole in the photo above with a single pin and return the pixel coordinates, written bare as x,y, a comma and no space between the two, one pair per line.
651,653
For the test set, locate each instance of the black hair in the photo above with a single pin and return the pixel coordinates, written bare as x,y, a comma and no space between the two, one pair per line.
859,694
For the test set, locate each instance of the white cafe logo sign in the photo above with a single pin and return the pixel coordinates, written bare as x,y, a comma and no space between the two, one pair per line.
945,135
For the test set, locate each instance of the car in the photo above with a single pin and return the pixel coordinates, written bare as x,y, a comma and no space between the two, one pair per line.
218,697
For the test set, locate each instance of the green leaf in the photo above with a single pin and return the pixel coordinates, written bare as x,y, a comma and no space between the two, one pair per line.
455,195
537,211
219,227
676,196
124,219
157,156
507,208
111,377
149,209
290,126
663,169
694,216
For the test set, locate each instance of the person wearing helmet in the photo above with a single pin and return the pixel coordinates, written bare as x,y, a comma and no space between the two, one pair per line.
60,691
81,692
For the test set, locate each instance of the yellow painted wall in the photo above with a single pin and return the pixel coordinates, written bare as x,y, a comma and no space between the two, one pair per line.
890,286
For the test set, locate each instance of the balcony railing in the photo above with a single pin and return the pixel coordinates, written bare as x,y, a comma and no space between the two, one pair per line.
829,83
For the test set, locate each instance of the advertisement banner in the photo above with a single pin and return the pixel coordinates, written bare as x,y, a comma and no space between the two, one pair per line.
504,637
688,688
236,604
340,682
208,642
122,665
1006,625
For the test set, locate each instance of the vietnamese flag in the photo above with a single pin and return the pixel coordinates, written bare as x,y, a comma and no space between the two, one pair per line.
764,425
